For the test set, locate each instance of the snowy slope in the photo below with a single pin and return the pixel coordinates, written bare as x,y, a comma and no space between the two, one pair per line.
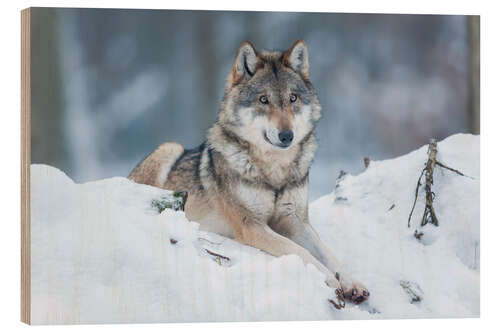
102,254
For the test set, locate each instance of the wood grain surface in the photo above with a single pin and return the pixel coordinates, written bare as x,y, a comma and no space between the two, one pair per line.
25,169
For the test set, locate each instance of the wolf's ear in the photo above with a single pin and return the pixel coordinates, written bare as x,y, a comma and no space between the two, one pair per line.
297,59
245,63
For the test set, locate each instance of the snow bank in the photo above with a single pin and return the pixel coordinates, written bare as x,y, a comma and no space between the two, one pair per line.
102,254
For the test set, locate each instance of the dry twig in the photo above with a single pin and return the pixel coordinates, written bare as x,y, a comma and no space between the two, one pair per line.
418,235
453,170
429,213
340,298
416,196
367,162
219,258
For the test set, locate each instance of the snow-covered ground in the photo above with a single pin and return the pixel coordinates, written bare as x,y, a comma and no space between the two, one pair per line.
102,254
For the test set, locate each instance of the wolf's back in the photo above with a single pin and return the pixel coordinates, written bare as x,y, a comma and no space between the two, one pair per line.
154,169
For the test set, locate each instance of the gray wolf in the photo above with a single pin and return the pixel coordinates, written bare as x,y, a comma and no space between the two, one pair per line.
249,179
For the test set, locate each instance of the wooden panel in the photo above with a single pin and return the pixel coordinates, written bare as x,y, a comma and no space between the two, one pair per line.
25,169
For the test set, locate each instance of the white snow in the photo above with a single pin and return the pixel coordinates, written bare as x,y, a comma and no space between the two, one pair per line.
102,254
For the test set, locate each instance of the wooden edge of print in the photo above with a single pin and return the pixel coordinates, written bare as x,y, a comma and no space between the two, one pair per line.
25,168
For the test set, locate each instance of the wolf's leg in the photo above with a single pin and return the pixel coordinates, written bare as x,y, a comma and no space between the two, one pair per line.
303,234
248,230
264,238
292,222
154,169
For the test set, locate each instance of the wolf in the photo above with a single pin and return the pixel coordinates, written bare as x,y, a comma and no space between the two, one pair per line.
249,179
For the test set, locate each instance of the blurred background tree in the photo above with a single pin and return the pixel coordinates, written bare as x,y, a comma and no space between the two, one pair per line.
108,86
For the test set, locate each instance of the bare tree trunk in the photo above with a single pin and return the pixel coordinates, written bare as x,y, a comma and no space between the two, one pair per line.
473,27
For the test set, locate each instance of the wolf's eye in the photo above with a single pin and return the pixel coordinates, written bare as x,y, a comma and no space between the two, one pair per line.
263,99
293,98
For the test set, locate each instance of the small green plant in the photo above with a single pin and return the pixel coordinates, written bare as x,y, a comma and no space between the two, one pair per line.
175,201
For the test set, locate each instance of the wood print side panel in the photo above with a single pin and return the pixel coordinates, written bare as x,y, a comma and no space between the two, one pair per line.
25,168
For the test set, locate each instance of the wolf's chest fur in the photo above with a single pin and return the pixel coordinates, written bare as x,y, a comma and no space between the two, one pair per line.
272,169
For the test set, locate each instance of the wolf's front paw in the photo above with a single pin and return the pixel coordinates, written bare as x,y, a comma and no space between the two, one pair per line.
354,291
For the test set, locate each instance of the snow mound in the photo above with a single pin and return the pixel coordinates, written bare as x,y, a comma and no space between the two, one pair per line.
102,254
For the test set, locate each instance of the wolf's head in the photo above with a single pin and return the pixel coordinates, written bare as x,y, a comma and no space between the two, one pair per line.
269,100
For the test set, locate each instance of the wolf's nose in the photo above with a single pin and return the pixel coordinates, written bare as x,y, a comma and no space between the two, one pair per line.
286,137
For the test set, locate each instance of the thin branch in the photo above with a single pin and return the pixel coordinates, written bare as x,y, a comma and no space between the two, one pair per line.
218,257
416,195
367,161
340,299
209,241
418,235
451,169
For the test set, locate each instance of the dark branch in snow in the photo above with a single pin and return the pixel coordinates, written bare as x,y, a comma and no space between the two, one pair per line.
418,235
451,169
340,299
416,196
218,258
367,162
429,213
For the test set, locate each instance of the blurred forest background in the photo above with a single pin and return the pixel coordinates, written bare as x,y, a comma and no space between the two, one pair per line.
108,86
